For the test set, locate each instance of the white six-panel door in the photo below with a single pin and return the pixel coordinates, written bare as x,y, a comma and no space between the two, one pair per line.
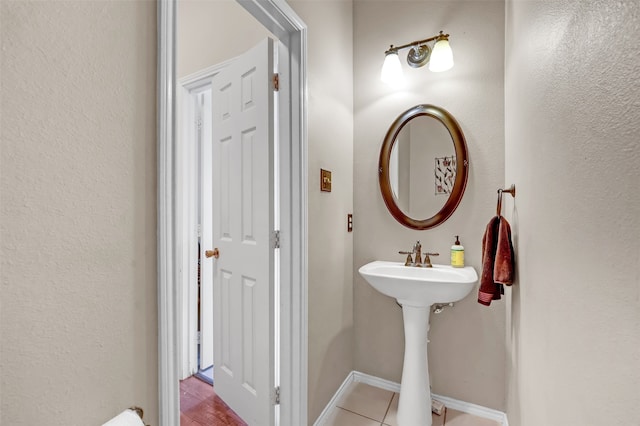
243,221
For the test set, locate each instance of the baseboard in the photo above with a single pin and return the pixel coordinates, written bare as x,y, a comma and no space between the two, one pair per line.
324,416
358,377
476,410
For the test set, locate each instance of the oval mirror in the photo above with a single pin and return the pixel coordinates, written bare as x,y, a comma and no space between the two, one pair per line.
423,167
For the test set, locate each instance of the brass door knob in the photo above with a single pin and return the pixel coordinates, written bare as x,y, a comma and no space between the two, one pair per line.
212,253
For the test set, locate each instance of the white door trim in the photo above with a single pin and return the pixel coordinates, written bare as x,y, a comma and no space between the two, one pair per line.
282,21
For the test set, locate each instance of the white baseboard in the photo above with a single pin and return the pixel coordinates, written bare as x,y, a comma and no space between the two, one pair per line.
326,413
476,410
358,377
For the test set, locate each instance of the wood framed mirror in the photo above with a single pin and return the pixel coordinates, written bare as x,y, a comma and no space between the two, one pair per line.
423,168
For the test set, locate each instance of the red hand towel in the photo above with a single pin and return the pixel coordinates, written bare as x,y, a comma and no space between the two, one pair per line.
497,260
488,289
503,268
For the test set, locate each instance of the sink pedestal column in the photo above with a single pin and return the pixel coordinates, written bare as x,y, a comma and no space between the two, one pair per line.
414,406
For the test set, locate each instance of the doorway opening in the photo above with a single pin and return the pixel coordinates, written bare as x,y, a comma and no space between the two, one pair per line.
280,19
196,132
230,303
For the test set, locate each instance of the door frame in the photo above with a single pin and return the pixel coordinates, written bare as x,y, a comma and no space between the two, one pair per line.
278,17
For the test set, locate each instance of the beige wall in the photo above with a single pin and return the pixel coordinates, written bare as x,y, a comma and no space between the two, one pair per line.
78,316
572,126
330,115
466,353
210,32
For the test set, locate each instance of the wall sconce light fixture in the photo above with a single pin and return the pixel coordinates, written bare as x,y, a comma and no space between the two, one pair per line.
440,58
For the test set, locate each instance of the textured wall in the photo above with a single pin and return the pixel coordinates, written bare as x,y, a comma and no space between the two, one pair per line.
572,127
78,318
466,353
330,119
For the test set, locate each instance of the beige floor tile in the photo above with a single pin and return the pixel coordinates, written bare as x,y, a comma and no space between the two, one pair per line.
392,420
366,400
341,417
458,418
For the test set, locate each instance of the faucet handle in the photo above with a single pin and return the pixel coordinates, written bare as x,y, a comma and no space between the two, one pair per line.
409,260
427,260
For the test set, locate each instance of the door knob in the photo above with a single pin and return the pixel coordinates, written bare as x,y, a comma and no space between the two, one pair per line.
212,253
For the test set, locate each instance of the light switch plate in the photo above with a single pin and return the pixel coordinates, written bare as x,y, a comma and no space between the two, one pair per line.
325,180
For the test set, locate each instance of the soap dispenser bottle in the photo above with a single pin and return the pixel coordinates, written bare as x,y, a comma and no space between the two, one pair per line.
457,254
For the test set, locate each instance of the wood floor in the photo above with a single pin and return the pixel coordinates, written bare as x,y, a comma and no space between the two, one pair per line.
200,406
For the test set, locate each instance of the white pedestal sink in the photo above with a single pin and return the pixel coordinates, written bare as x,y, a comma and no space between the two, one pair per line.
416,289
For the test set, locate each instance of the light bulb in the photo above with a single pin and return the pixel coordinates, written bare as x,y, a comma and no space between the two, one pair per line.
391,73
441,57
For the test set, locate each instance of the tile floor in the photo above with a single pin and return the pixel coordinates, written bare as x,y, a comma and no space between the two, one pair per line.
364,405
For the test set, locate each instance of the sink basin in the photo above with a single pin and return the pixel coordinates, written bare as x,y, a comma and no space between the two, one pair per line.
420,286
416,289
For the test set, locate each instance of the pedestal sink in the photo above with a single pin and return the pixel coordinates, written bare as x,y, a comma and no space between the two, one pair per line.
416,289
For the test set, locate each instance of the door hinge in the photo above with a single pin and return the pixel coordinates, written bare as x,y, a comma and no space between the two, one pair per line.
276,239
199,124
276,395
198,338
276,82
